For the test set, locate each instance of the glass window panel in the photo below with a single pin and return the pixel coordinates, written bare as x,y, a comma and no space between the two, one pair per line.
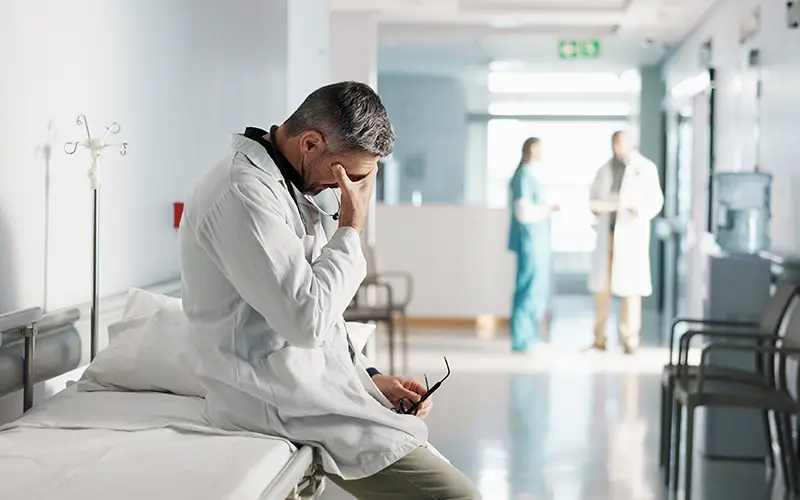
573,151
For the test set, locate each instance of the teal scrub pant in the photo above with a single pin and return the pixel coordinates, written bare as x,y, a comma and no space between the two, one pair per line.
530,298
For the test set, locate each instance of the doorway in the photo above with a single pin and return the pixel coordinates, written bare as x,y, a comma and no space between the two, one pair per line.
687,205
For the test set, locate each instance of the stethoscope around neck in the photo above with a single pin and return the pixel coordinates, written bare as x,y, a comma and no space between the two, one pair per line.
335,215
287,170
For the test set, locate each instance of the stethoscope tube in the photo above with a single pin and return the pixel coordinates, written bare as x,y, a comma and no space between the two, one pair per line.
335,215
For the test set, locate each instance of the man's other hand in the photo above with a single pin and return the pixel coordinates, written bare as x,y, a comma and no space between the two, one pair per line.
397,388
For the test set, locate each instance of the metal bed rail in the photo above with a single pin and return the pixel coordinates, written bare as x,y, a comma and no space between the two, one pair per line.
25,322
297,480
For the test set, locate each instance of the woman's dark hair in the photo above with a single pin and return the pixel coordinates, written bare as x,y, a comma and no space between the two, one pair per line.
526,150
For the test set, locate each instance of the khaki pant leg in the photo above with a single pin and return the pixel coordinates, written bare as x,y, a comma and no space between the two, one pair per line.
420,475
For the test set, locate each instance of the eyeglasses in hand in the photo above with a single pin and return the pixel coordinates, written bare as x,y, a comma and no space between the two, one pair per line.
407,407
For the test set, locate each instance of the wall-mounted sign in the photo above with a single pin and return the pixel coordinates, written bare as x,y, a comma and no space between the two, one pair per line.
793,14
579,49
706,54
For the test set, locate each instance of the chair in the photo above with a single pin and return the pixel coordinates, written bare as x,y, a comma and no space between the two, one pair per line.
694,392
768,329
390,305
361,311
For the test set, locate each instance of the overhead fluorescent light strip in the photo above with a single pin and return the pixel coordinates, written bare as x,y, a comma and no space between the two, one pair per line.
562,83
565,108
692,86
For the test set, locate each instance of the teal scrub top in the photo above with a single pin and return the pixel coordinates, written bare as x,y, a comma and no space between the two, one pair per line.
533,236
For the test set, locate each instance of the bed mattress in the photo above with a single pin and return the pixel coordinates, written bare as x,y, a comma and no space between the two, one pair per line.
132,446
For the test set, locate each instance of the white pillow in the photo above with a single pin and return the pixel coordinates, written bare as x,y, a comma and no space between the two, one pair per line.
149,350
142,303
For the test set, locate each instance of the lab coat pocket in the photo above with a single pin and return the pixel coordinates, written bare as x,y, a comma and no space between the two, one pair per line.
368,384
294,370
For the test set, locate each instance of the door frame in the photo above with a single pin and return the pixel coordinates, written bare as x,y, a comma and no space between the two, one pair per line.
673,109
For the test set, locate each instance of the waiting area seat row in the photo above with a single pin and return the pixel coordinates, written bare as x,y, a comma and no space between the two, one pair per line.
685,387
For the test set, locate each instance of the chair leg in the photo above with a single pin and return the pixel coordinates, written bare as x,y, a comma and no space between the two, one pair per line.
676,446
404,333
663,421
791,457
390,326
768,439
782,448
669,402
689,462
668,413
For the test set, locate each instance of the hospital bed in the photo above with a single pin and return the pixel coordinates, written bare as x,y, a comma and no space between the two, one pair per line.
126,445
143,445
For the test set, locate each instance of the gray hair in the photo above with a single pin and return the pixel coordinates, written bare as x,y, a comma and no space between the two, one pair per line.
349,115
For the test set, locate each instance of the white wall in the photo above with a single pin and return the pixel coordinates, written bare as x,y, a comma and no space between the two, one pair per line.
178,76
354,47
309,57
780,103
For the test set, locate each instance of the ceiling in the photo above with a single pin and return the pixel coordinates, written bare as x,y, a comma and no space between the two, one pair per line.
448,35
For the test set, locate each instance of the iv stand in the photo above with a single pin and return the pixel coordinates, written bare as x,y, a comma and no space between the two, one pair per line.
95,147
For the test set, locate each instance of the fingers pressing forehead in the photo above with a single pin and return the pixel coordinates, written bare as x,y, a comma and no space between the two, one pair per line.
359,165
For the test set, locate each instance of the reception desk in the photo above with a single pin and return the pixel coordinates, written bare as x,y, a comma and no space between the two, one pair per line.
456,254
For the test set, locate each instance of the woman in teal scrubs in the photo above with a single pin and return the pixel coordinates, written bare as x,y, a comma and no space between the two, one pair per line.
529,238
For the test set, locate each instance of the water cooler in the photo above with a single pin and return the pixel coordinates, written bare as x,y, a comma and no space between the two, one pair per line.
739,285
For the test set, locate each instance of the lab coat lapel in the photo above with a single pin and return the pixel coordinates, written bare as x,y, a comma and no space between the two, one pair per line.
260,159
630,190
257,155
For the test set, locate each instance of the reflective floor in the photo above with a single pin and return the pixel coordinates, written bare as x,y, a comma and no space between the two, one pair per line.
567,426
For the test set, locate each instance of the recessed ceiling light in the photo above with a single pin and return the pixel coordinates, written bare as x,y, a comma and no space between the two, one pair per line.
504,23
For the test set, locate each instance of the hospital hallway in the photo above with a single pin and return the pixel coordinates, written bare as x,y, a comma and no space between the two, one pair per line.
574,426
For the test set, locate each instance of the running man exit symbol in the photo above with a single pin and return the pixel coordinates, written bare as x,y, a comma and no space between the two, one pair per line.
579,49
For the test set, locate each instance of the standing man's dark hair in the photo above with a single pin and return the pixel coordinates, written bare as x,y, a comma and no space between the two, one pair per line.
349,115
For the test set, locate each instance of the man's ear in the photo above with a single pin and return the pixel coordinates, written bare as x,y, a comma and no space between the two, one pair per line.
311,140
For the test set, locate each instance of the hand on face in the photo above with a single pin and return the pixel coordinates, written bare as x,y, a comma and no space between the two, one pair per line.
356,196
397,388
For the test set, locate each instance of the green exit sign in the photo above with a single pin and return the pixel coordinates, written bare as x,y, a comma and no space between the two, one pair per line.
579,49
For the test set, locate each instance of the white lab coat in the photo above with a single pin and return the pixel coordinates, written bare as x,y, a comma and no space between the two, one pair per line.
630,269
266,296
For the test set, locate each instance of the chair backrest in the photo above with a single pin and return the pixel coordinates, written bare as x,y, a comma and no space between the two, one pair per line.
791,327
372,260
777,306
787,367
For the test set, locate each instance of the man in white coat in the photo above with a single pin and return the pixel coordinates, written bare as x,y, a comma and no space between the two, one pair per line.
265,292
625,196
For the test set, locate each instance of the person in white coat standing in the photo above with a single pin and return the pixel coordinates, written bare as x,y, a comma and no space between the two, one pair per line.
625,196
265,292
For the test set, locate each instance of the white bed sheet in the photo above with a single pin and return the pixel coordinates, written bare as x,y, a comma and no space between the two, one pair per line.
132,446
